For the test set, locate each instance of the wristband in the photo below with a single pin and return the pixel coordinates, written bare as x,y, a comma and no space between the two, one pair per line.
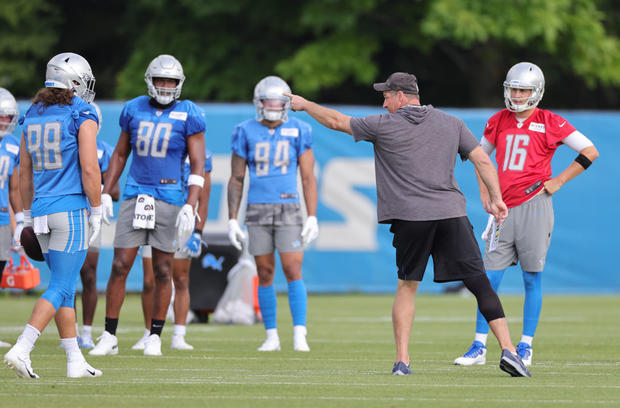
196,180
583,161
19,217
198,231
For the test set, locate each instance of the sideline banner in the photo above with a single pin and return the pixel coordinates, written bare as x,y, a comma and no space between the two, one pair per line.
354,254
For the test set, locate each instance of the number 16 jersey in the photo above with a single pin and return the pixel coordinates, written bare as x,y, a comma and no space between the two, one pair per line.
524,150
271,155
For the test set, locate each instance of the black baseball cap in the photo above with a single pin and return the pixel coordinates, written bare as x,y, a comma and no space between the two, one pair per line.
399,81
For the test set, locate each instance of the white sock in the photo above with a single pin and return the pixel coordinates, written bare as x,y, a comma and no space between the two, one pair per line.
272,334
527,339
147,333
28,338
179,330
481,337
72,350
87,331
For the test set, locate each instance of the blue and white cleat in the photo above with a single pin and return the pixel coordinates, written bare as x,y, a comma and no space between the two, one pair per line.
512,364
525,351
401,368
85,342
477,354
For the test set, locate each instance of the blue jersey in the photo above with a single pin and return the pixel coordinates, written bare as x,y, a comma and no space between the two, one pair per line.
186,169
158,140
104,153
51,135
9,158
271,155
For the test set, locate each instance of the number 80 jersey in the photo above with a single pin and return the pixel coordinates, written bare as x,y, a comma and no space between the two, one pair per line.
158,139
271,156
524,150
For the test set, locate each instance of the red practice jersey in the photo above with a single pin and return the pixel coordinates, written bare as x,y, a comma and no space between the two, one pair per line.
523,151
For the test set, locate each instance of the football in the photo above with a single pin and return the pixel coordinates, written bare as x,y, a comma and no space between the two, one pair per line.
31,244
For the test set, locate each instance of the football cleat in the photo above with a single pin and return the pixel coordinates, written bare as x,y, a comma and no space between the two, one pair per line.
477,354
85,342
401,368
108,345
525,351
271,344
4,344
79,369
152,346
512,364
178,343
140,343
19,360
299,339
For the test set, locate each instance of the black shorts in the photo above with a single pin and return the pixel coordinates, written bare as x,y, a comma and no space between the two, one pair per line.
451,242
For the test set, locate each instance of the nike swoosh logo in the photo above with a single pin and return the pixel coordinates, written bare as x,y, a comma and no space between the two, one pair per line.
90,372
563,123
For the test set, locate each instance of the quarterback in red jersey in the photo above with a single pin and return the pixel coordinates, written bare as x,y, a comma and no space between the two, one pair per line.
524,138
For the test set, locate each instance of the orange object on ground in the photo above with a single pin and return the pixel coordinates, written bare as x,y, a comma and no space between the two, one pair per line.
259,316
23,276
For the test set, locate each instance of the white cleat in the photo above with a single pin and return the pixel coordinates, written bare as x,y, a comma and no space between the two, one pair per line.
4,344
476,355
140,343
178,343
152,346
80,369
299,339
19,361
108,345
85,342
271,344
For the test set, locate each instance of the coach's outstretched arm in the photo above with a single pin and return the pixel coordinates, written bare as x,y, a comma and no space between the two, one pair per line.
330,118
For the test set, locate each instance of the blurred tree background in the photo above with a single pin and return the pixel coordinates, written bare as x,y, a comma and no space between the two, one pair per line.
330,50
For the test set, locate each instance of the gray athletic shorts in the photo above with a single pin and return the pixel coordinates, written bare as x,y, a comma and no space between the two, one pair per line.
5,242
147,252
274,226
161,237
524,237
68,232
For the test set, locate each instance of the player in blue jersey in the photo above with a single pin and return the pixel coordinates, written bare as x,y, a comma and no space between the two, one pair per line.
272,147
160,131
58,180
88,273
180,268
9,179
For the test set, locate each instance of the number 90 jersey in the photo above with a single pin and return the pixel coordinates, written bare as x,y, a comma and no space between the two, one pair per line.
271,155
158,140
524,150
51,136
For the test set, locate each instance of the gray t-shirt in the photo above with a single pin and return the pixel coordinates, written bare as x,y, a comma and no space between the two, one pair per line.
415,153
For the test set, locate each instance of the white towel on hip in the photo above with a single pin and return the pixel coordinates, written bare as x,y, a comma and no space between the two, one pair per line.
144,213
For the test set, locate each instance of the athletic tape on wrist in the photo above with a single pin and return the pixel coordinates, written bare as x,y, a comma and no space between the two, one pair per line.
196,180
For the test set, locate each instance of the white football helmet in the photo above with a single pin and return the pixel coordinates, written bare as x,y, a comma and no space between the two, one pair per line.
524,75
164,66
271,87
71,71
8,107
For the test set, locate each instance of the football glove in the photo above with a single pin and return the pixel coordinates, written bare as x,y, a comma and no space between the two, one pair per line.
185,224
95,223
194,245
108,209
235,234
310,231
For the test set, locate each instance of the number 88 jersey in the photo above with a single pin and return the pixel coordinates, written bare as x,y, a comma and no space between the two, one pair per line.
271,156
524,150
51,137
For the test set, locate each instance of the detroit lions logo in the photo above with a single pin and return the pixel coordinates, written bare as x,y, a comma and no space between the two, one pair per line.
210,261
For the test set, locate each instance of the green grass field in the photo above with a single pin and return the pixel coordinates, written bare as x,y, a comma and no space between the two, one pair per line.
576,359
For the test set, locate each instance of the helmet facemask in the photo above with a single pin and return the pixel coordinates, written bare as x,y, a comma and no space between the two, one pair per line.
165,67
270,91
8,109
524,75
